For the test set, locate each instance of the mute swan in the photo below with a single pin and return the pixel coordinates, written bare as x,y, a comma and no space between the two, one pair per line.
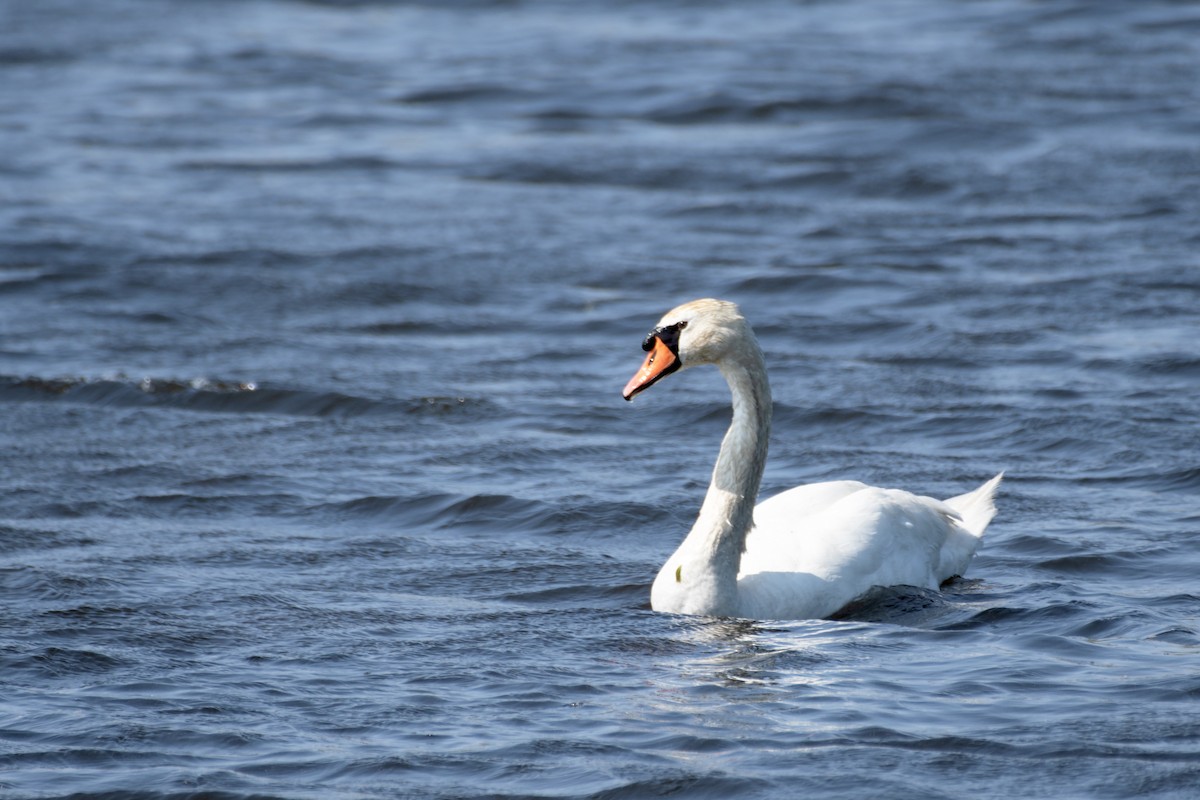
808,551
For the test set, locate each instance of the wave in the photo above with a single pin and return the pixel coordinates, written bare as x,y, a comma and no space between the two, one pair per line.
1182,479
683,108
366,163
461,92
221,396
36,54
494,512
886,100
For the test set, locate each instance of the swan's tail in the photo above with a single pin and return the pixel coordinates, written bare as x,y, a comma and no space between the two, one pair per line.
976,510
978,507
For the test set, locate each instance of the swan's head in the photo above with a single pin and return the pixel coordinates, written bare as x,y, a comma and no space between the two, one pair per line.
699,332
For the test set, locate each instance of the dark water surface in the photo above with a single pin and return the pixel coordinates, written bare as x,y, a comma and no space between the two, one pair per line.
317,481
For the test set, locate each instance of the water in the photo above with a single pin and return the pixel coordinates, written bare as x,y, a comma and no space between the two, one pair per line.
314,317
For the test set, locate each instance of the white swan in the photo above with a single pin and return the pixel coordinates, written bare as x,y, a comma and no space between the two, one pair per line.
808,551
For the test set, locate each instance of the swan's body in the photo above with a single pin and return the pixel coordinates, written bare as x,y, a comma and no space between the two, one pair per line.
808,551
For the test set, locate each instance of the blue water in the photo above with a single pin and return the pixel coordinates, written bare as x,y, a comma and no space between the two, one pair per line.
314,317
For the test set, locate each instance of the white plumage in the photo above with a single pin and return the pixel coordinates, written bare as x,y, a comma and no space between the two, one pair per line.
805,552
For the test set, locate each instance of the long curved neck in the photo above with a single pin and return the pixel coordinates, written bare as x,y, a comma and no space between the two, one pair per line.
728,510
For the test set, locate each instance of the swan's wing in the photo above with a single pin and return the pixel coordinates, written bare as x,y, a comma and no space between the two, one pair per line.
782,510
815,548
869,537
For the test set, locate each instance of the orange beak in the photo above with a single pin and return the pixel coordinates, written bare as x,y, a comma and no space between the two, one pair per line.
658,364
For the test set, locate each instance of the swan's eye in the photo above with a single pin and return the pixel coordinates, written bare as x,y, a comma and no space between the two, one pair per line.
669,335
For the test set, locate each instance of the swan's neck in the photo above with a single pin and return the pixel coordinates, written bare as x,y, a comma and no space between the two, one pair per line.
718,538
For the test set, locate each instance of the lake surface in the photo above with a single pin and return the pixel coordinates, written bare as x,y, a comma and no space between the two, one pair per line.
316,477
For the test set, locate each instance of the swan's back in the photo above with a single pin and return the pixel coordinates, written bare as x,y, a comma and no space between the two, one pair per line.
817,547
